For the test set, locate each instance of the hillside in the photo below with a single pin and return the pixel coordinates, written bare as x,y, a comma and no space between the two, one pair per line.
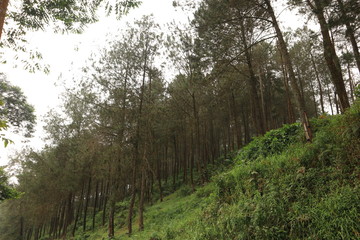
278,187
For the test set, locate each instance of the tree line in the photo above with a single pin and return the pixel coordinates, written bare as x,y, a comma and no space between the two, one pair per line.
127,133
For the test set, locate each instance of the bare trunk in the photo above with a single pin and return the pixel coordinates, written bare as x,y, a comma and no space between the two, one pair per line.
288,63
78,212
290,110
86,204
319,83
236,121
105,203
351,83
3,8
95,204
350,33
111,229
330,55
132,200
256,110
141,202
330,101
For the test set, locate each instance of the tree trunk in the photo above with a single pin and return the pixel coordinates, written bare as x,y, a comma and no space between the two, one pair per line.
21,228
106,197
141,201
330,55
3,8
350,33
95,204
111,229
87,203
288,63
78,212
336,103
236,121
132,200
319,83
314,98
290,110
256,109
351,83
330,101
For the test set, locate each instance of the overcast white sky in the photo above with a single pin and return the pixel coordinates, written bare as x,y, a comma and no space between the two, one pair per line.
67,53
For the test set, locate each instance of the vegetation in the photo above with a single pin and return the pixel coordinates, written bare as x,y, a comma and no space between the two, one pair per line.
224,149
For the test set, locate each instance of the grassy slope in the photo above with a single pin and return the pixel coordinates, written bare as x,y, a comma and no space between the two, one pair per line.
279,188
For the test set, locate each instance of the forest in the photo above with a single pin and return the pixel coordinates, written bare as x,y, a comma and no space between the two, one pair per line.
229,127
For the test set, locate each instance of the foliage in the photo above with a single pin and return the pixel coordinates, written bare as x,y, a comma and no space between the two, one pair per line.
15,110
6,191
273,142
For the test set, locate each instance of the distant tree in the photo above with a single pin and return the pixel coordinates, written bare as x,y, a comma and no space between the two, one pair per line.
16,111
6,191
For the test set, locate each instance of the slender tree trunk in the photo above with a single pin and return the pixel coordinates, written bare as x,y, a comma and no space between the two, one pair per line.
287,61
87,204
106,197
137,139
336,103
192,162
95,204
236,121
158,176
350,33
261,83
319,83
141,201
69,214
330,101
78,212
3,8
132,200
197,151
175,163
314,98
111,228
246,127
301,82
290,109
330,55
351,83
256,109
21,228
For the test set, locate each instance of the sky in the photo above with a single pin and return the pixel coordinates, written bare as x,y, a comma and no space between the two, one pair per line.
66,54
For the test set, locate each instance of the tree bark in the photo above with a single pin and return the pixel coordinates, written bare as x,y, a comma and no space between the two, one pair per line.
3,8
256,110
78,212
330,55
141,201
86,203
290,110
300,102
319,83
111,229
95,204
350,33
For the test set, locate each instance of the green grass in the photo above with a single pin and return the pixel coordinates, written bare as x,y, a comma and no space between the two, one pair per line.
280,188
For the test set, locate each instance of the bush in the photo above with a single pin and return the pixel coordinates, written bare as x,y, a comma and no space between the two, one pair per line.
273,142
